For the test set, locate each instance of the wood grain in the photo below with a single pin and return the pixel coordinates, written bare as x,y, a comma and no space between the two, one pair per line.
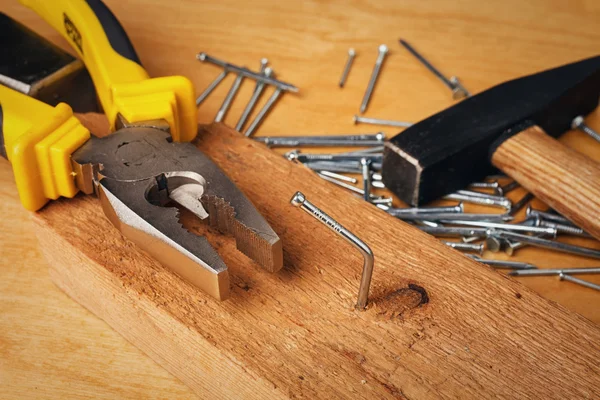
564,179
438,326
482,42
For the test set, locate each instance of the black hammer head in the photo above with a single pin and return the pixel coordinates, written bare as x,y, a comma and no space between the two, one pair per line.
451,149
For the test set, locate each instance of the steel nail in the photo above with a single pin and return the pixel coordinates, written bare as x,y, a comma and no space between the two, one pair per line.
299,200
557,271
503,226
466,247
258,89
263,112
548,244
501,264
229,98
366,176
565,277
533,213
383,50
346,186
516,207
351,55
363,140
209,89
458,91
454,231
247,73
338,176
459,208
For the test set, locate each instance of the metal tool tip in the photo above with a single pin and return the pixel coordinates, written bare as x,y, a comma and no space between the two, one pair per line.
351,52
298,199
383,48
577,121
201,56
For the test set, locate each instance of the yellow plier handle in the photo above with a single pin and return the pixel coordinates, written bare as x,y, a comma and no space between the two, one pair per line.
122,84
39,139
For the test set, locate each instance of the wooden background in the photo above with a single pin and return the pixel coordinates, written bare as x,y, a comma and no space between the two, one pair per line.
51,347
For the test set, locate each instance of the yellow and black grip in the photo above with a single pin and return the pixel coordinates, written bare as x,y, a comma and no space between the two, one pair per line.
122,84
38,140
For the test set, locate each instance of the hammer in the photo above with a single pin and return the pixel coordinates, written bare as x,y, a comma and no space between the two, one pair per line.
512,127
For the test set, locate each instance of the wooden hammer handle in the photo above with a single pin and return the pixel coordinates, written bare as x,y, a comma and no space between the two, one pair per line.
564,179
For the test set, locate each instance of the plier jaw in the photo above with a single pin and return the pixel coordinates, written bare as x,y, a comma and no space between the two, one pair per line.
140,173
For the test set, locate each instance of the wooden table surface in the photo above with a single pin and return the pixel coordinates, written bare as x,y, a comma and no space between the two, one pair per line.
51,347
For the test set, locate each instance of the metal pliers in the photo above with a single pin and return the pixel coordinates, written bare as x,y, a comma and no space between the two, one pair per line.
142,168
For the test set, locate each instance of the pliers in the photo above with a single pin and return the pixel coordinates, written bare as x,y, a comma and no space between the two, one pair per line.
142,168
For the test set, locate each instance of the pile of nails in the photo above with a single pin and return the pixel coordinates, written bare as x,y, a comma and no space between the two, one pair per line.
264,77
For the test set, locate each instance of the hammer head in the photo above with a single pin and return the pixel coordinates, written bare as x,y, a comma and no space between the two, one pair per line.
451,149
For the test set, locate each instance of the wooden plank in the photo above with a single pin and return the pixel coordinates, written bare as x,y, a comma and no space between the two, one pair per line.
296,333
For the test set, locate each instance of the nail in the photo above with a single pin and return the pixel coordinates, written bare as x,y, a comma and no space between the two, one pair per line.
459,208
209,89
532,212
458,91
579,124
258,89
485,185
486,201
451,217
246,73
521,203
466,247
383,50
548,244
263,112
375,139
503,226
351,55
564,277
338,176
557,271
509,187
308,157
299,200
454,231
346,186
501,264
229,98
376,121
366,176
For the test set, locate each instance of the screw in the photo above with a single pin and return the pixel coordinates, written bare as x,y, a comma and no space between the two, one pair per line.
550,271
579,124
209,89
547,244
383,49
466,247
229,98
332,140
338,176
458,90
258,89
247,73
263,112
366,175
351,55
376,121
299,200
562,228
578,281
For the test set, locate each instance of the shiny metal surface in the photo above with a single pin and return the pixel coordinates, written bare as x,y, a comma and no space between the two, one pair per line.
383,50
299,200
139,172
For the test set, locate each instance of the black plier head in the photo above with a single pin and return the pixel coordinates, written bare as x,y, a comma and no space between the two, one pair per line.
138,173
